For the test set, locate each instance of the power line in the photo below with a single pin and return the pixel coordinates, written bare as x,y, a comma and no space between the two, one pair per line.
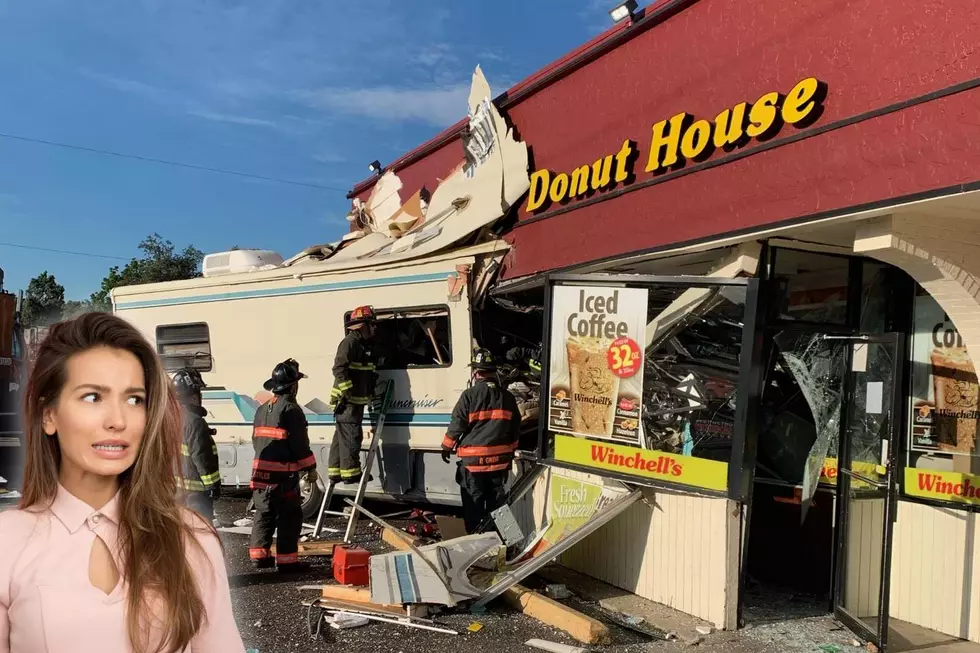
177,164
62,251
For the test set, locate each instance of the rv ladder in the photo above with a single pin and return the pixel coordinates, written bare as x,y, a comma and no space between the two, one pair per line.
372,451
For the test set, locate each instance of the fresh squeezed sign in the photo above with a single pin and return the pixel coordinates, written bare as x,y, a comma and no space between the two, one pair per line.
683,138
596,379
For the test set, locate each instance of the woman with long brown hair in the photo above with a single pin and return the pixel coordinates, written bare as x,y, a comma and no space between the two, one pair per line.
100,556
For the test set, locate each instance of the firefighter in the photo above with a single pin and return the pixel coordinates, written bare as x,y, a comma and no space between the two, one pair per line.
355,376
282,453
484,432
199,454
529,355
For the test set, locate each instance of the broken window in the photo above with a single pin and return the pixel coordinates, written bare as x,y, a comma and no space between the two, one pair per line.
694,342
412,338
185,345
812,287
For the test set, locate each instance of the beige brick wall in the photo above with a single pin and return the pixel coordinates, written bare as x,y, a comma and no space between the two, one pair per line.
941,254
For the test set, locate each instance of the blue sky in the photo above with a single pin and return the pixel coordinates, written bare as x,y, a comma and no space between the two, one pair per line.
306,90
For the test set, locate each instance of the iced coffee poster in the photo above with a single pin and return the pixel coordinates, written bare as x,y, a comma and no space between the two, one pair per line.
945,406
596,379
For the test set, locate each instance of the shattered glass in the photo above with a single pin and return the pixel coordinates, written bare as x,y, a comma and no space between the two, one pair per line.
691,370
817,365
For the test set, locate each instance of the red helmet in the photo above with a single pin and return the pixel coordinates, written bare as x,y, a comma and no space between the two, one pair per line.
361,315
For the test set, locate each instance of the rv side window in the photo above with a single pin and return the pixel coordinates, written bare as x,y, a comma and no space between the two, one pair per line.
413,338
185,345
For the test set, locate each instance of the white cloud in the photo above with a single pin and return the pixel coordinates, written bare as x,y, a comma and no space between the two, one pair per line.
233,119
329,157
439,107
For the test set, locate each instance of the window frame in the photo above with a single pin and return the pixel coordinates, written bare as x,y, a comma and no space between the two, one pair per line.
161,342
741,462
418,308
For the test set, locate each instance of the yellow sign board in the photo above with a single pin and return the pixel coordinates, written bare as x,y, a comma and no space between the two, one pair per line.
643,463
943,486
828,473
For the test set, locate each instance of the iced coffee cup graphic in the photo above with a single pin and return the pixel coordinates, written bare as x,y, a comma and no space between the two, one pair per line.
594,388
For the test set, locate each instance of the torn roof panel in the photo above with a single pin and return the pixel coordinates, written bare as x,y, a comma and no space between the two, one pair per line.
489,176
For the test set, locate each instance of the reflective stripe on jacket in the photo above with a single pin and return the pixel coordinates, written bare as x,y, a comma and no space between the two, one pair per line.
199,453
281,442
354,371
485,428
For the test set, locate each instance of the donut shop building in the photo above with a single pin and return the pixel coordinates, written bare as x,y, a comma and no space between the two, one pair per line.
787,194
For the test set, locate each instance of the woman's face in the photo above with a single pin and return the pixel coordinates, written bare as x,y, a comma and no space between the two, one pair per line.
100,415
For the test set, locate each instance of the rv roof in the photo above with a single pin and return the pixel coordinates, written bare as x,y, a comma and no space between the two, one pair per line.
310,268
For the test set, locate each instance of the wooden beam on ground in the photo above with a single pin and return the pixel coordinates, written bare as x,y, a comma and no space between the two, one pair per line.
582,627
309,549
398,541
346,593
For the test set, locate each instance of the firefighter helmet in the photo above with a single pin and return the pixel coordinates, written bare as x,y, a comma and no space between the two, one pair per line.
188,382
483,360
285,375
361,315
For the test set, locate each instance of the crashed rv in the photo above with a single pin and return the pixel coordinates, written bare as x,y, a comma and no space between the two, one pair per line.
424,262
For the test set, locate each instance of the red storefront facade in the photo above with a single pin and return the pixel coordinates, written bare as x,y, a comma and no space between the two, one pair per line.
884,167
900,114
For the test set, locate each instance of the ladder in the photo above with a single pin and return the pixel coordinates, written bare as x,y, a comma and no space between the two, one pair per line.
372,451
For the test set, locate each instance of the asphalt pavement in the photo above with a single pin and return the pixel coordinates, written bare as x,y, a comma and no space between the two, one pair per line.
272,619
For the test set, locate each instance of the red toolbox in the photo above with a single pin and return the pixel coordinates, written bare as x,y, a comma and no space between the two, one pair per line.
350,566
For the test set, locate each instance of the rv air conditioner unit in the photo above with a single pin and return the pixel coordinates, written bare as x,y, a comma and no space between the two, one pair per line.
239,261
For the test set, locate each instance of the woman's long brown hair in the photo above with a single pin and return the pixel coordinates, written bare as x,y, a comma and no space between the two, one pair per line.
154,531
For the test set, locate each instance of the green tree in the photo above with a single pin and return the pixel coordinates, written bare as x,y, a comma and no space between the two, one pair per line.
74,308
43,301
160,262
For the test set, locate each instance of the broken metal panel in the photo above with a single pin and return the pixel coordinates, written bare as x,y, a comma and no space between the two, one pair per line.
744,261
402,577
493,178
505,581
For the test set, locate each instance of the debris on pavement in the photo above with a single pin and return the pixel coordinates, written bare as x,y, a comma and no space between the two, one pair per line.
450,527
345,620
557,591
402,577
553,647
475,627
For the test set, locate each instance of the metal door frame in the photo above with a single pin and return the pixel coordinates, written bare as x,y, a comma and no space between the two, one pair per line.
889,485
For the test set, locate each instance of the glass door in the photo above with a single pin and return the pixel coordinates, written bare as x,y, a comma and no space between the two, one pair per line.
871,416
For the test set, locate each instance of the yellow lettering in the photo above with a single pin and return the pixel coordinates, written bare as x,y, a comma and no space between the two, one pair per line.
539,189
580,181
763,115
601,173
668,142
730,126
800,102
621,159
696,138
559,187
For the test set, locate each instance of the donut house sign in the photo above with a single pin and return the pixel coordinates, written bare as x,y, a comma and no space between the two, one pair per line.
682,138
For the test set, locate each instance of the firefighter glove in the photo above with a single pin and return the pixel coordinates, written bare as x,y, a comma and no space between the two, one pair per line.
446,453
215,493
311,476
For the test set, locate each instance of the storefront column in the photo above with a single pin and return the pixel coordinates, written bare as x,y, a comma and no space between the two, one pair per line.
941,254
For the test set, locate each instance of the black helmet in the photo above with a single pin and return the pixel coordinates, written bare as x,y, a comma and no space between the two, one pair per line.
483,360
284,376
188,382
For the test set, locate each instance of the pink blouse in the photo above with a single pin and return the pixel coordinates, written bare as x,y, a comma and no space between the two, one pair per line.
48,605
